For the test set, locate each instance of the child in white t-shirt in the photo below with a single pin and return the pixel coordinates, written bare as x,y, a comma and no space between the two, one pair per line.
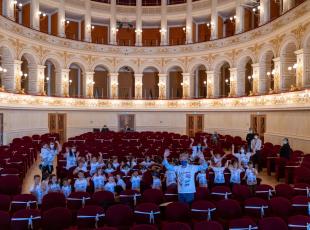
135,181
66,188
110,185
156,181
120,182
235,173
38,189
202,179
98,180
251,176
243,156
54,185
171,178
81,183
94,165
219,176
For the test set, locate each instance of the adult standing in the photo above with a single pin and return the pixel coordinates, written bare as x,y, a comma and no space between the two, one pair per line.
185,175
249,138
256,145
285,150
48,154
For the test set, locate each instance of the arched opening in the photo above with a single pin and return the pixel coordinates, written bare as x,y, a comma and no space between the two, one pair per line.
101,79
288,66
267,72
200,82
248,81
126,83
75,80
224,79
50,78
150,80
175,82
24,75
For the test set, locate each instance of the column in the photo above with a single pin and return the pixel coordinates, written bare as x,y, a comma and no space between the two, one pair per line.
113,28
264,11
212,91
233,82
113,85
35,14
163,86
164,24
264,79
62,83
61,20
139,23
303,68
138,85
88,84
277,74
214,20
87,22
188,85
189,22
8,9
256,79
12,78
287,5
287,76
239,17
36,79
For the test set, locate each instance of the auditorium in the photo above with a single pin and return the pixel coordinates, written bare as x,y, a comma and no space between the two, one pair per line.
154,114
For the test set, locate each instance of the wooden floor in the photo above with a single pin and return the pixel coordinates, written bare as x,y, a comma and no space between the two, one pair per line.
28,181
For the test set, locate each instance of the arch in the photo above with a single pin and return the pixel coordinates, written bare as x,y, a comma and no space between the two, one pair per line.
175,79
289,45
76,63
222,79
102,63
219,61
193,66
30,56
174,64
150,80
266,50
266,75
76,80
55,59
199,81
126,82
150,64
126,63
9,48
151,67
101,81
306,40
243,60
50,75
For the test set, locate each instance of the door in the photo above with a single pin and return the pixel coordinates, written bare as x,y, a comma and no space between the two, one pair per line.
194,124
126,122
57,123
258,125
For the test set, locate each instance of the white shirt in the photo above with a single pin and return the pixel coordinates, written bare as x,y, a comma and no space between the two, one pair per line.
256,144
110,186
55,187
80,185
171,177
53,154
243,158
38,192
202,178
109,170
121,183
135,182
219,177
250,177
66,190
45,156
235,175
185,175
93,167
71,161
156,183
98,182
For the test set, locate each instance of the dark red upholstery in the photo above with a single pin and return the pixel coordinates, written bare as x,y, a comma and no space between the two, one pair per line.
242,223
228,209
90,216
272,223
5,220
153,196
5,202
103,198
298,222
120,216
208,225
203,210
280,206
53,200
177,212
147,213
20,222
176,226
284,190
23,201
57,218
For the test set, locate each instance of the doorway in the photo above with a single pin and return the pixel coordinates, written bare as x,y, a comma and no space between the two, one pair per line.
57,123
126,122
194,124
258,125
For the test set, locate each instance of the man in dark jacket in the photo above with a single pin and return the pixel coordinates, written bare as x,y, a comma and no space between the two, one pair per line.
285,150
249,138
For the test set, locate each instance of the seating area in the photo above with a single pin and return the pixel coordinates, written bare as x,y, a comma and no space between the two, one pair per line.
215,207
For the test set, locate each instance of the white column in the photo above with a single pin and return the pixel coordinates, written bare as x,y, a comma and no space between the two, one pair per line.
256,79
8,9
36,79
189,22
214,20
12,78
303,68
138,85
287,77
87,22
234,83
277,74
113,29
164,24
113,85
138,23
61,19
62,83
212,85
239,17
188,85
34,14
287,5
163,85
264,11
88,84
264,79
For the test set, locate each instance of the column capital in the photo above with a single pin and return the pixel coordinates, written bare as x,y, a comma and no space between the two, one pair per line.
89,73
138,75
113,74
162,75
276,59
255,65
210,72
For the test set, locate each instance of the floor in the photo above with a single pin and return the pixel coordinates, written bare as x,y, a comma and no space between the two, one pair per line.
34,170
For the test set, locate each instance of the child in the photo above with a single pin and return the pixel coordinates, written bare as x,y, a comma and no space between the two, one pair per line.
53,185
217,158
81,183
243,157
135,181
94,165
125,169
156,181
120,182
115,163
110,185
99,179
171,178
251,176
219,178
66,187
70,158
38,189
147,162
109,169
235,173
202,179
81,167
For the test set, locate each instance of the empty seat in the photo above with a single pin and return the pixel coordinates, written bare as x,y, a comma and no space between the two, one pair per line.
56,218
256,207
298,222
242,223
280,206
284,190
23,201
90,216
5,220
208,225
177,212
26,219
103,198
176,226
147,213
53,200
120,216
153,196
203,210
272,223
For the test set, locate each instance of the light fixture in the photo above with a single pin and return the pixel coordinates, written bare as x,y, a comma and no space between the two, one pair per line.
138,31
67,21
204,82
47,78
15,2
290,68
3,69
44,14
20,4
162,30
268,73
295,66
92,27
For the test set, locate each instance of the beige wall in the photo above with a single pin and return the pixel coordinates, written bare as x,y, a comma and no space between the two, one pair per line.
292,124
